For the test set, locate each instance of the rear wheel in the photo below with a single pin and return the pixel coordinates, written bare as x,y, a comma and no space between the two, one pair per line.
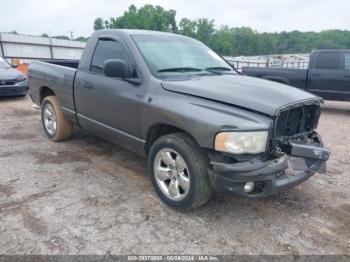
56,126
178,169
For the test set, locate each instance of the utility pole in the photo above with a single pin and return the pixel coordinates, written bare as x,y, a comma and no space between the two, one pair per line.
71,34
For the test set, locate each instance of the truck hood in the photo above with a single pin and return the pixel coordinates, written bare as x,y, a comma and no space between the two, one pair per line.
251,93
9,73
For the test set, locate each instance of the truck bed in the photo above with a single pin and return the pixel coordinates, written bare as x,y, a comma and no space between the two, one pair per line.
58,75
293,77
63,62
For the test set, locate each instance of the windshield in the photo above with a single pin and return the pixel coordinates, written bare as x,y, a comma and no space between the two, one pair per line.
167,56
3,64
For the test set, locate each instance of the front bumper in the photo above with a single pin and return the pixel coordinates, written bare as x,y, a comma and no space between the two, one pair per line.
269,177
15,90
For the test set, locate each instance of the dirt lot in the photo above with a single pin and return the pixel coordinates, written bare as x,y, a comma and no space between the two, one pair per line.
86,196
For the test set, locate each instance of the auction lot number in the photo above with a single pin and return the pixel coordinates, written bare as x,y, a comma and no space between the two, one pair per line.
172,258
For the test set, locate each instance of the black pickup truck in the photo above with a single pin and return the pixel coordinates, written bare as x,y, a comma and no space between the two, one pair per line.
328,75
202,126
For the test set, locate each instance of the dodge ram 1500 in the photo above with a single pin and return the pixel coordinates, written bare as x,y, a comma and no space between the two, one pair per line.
202,126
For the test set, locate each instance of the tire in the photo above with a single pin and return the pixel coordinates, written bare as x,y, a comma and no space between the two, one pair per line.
64,128
196,162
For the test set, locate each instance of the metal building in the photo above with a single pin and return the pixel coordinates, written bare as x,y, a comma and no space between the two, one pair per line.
26,48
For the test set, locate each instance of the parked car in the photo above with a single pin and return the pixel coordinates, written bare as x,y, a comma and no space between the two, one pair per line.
12,81
328,75
202,126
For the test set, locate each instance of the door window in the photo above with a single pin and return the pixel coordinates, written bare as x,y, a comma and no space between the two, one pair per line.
107,49
327,60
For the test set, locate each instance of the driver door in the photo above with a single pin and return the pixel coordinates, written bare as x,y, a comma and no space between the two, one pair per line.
109,107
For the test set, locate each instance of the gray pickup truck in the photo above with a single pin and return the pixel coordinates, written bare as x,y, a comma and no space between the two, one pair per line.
328,75
202,126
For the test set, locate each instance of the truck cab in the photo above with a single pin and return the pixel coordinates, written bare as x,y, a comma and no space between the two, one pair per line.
329,74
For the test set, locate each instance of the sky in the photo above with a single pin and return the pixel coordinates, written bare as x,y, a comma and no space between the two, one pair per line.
59,17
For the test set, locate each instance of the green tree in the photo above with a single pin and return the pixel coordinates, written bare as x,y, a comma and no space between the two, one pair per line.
201,29
63,37
205,30
224,41
98,24
147,17
188,27
230,41
81,39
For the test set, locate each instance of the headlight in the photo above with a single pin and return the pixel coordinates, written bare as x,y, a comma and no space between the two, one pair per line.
21,79
241,142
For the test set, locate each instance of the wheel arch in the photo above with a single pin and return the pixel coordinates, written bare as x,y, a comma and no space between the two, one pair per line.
44,92
160,129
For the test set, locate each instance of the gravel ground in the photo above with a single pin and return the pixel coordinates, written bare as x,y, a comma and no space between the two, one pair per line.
86,196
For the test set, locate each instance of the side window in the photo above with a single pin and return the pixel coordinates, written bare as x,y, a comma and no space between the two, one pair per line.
107,49
328,60
347,61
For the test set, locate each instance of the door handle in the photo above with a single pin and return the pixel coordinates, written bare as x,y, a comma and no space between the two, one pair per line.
86,84
347,76
316,74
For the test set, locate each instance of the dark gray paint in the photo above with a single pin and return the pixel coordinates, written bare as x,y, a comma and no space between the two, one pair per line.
330,84
241,91
124,112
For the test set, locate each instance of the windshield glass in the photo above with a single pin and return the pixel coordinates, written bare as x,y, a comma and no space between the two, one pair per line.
167,56
3,64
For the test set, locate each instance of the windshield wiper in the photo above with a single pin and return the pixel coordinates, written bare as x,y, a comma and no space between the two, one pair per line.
180,69
219,68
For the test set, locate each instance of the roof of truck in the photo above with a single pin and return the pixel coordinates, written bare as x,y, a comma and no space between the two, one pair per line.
135,32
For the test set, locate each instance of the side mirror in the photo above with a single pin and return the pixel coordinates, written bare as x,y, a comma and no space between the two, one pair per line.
14,66
117,68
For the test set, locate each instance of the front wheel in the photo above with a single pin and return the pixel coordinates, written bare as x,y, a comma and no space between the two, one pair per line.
178,170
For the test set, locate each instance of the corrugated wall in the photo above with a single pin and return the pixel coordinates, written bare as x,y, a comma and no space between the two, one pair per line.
27,48
66,53
67,43
15,50
25,39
